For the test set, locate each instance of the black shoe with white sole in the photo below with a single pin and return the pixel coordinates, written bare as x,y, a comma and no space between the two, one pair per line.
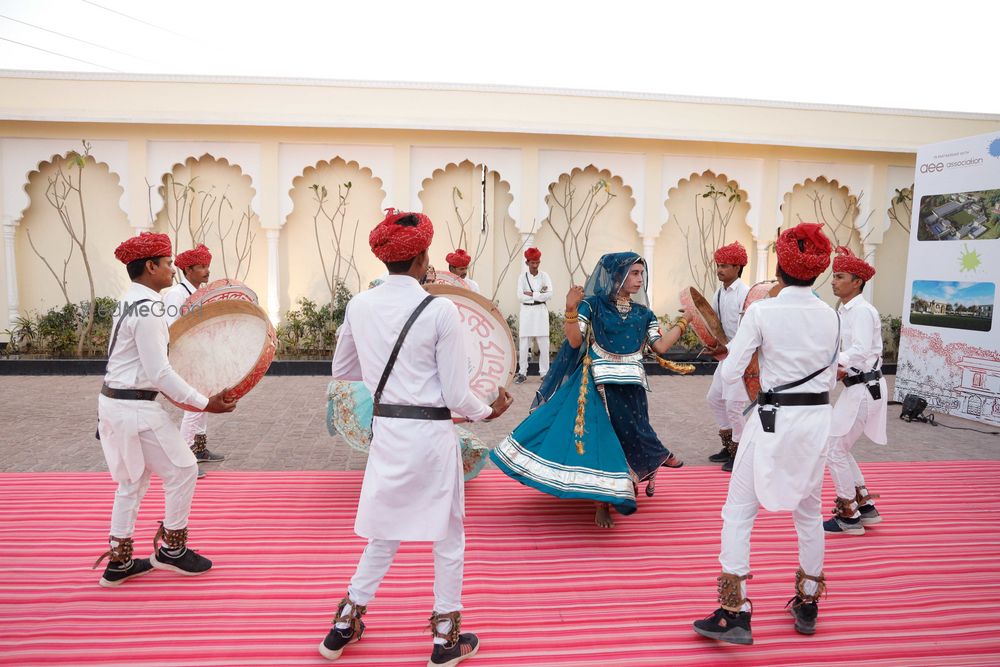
726,626
116,574
188,562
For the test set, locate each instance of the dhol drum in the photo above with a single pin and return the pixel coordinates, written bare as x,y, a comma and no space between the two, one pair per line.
703,320
224,289
448,278
751,376
489,345
222,343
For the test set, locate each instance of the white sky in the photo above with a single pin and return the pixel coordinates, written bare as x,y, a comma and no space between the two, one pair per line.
883,53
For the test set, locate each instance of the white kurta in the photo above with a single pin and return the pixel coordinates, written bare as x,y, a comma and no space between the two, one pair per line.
413,481
727,302
534,319
473,285
796,334
174,298
139,361
861,351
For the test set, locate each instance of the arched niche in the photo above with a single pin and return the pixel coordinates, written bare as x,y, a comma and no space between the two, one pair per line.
98,204
335,205
452,197
706,211
893,252
208,200
589,214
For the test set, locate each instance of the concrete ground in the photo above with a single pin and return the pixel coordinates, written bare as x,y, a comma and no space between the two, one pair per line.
47,423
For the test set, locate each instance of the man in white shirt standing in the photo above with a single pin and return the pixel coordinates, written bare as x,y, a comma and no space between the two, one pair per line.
727,400
534,289
780,462
458,263
195,270
137,437
861,407
413,488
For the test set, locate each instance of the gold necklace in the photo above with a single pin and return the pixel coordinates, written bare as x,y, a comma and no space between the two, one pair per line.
624,306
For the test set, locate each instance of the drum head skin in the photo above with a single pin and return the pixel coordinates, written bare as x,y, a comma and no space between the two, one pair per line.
449,278
220,345
703,319
489,345
221,290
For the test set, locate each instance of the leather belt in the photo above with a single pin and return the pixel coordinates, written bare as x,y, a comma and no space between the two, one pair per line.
781,399
870,376
535,303
411,412
129,394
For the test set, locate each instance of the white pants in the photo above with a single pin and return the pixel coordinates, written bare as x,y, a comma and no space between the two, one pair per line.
192,424
178,490
741,509
728,414
449,567
843,468
543,354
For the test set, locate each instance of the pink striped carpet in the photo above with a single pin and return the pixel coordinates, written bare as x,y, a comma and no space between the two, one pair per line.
543,585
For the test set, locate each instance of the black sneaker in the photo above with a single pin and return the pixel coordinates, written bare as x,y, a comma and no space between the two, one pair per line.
728,465
721,457
116,574
338,639
189,563
869,515
519,378
842,526
208,456
201,473
726,626
445,655
804,614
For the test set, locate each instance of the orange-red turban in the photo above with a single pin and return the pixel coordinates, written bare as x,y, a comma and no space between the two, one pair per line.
146,244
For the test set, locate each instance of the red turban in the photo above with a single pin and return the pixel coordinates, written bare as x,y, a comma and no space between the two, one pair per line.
734,253
847,262
532,254
459,258
813,257
391,241
142,246
199,255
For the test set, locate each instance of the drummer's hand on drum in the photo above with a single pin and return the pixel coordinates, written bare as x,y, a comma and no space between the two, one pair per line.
716,350
501,403
573,298
220,403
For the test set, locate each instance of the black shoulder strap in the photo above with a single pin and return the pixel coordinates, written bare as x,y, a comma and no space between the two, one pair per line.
395,350
186,288
128,311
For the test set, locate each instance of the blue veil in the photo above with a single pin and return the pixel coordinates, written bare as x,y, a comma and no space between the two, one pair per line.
600,293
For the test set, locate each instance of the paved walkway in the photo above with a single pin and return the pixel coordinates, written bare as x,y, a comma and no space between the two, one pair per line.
47,423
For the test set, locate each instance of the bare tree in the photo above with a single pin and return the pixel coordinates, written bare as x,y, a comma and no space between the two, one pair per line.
903,200
62,187
513,250
464,218
576,219
338,262
713,210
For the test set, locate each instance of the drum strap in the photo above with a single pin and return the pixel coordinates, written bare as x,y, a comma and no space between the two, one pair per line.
405,411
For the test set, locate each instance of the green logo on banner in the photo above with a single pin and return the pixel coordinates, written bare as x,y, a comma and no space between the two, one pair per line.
969,259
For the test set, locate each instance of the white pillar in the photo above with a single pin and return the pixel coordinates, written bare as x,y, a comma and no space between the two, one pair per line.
272,276
762,253
648,253
10,262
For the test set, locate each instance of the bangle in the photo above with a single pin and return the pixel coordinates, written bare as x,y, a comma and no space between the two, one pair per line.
571,320
571,313
681,322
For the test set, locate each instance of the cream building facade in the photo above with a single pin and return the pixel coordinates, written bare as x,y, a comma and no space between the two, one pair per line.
283,179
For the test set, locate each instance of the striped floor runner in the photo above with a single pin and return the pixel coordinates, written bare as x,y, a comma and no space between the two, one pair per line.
543,587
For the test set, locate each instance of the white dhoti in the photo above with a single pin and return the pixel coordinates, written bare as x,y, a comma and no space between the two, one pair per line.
727,403
192,424
855,414
525,350
138,439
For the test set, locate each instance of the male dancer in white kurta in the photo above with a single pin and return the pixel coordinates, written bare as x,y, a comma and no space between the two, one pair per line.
534,289
857,410
194,265
727,400
137,436
413,488
780,463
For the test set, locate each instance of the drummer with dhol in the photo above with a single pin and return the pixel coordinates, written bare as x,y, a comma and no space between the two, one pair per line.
727,400
195,269
413,488
137,436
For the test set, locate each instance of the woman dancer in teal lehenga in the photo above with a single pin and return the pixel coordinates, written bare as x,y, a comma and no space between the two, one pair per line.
588,435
